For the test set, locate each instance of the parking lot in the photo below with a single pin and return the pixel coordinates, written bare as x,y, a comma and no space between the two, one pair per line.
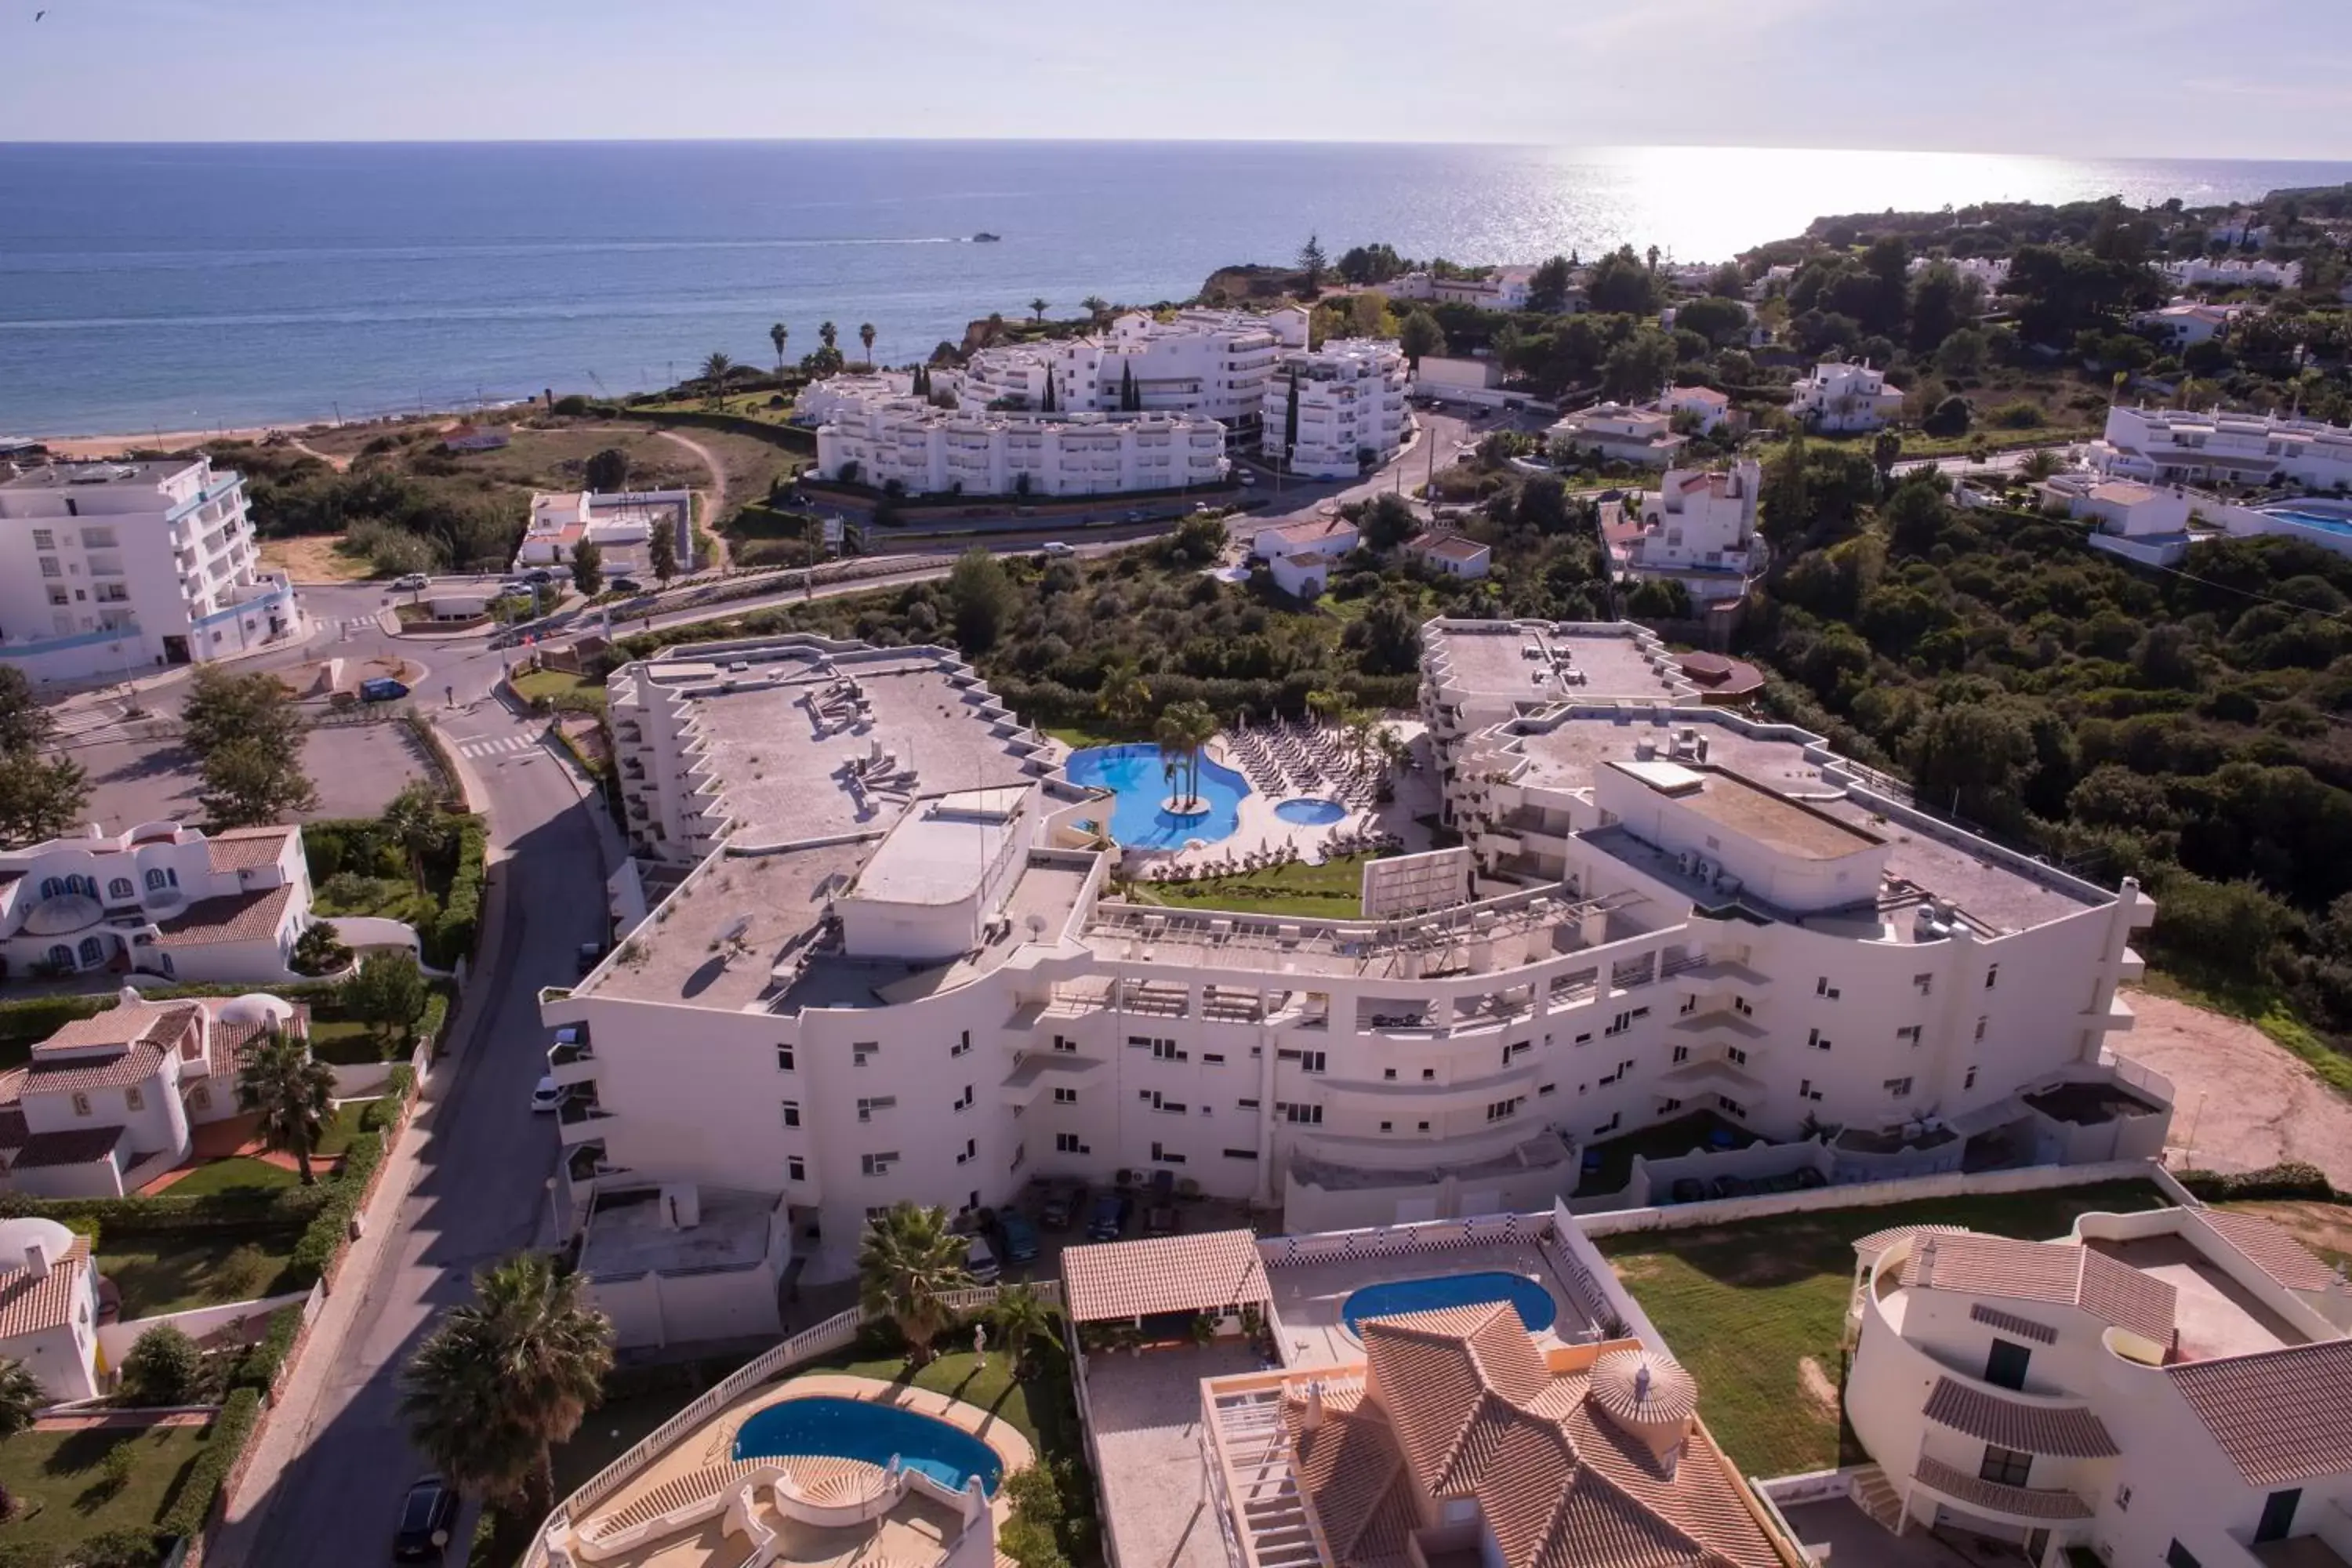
357,767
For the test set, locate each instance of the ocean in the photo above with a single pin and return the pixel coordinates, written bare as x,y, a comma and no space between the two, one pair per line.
176,288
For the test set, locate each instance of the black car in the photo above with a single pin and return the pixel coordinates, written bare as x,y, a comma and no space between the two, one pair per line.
1108,1220
592,954
626,585
427,1517
1065,1204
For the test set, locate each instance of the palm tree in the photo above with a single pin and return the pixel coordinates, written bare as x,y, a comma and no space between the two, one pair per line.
1327,704
907,1264
413,821
866,336
828,333
1097,306
22,1400
1018,1315
777,335
714,377
507,1376
293,1094
1185,733
1125,697
1038,306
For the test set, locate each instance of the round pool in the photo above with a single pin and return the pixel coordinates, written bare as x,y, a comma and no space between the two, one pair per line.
1138,777
1311,812
1535,1305
861,1429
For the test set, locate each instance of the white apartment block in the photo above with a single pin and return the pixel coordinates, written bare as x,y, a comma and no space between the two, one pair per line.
1844,398
1623,433
113,568
1502,289
895,970
2197,446
932,451
1205,364
2234,272
819,401
2161,1387
1992,272
159,898
1351,407
1698,523
2184,323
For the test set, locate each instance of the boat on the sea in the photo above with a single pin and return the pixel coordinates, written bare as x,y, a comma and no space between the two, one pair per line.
984,238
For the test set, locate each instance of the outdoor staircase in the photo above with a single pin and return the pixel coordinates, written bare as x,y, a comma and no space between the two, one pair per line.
1876,1496
1265,1493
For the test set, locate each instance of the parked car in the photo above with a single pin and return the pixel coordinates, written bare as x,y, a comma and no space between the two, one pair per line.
549,1095
1133,517
1016,1236
1245,477
1065,1204
539,574
591,954
382,689
980,1263
412,582
1108,1219
1055,547
427,1515
1160,1219
626,585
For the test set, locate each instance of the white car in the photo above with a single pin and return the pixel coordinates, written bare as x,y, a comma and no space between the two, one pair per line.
1056,547
412,582
1245,477
980,1263
549,1095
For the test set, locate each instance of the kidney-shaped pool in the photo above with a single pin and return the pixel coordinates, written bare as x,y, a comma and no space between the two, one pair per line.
861,1429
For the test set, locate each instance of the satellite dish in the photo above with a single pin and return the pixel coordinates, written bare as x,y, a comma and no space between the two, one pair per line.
736,933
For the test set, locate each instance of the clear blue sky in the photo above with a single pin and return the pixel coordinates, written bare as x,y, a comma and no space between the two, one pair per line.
2266,79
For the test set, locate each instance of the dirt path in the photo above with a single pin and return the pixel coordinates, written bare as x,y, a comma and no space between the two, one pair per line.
339,465
2239,1101
715,507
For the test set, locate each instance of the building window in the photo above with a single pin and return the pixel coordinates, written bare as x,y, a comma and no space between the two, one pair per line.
878,1164
2123,1500
49,567
45,539
1504,1110
1216,1057
1300,1115
1908,1036
132,1100
963,1044
1308,1061
161,877
1064,1043
80,1103
1690,1005
970,1151
1428,1075
2179,1556
1067,1144
867,1107
1164,1155
792,1114
1730,1106
120,888
1814,1038
795,1168
1065,1097
199,1097
1900,1088
783,1058
1981,1027
92,951
2004,1467
1821,987
1971,1080
863,1049
1240,1153
1388,1075
1682,1053
1926,983
1992,975
1738,1057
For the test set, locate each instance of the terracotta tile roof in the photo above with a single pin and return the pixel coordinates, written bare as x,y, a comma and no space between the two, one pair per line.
1452,546
70,1146
1351,1477
243,849
31,1303
230,1044
1565,1477
2058,1273
1163,1274
124,1024
2271,1249
1872,1246
2278,1414
2029,1502
2010,1323
234,917
136,1064
2069,1431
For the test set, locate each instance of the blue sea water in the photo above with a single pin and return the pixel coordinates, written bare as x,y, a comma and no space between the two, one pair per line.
194,285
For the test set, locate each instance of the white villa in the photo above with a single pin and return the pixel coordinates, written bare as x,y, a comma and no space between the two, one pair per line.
109,570
1622,433
621,526
2144,523
1709,407
1699,524
1351,407
2185,322
159,898
2234,272
1501,289
106,1103
2184,447
48,1305
1450,554
1844,398
1301,556
2169,1386
932,451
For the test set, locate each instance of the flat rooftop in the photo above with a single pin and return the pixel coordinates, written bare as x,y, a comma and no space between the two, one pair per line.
939,851
783,743
1492,663
677,956
1754,812
86,476
629,1235
2215,1315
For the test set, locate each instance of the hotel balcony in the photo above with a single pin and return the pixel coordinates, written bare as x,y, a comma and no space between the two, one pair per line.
2034,1506
580,1121
1038,1071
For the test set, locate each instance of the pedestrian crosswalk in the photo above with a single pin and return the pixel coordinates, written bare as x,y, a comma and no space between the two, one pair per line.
496,745
96,726
357,624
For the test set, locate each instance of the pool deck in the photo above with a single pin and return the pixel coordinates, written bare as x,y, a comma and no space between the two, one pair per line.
910,1535
1260,828
1310,1298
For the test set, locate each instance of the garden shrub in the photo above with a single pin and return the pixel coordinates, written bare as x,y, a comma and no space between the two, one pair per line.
2292,1179
201,1488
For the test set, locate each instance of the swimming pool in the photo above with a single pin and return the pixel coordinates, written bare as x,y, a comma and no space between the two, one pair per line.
861,1429
1138,776
1309,812
2320,519
1535,1304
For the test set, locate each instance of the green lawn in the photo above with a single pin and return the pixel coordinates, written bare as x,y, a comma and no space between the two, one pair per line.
532,685
1078,737
235,1174
342,1128
63,1498
1746,1307
346,1042
1333,891
158,1274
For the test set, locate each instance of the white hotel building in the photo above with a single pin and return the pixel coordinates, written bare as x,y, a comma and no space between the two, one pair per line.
1207,364
932,451
895,970
112,569
1351,407
2171,445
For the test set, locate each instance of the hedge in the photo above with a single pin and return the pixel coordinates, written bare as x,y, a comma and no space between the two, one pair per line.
2293,1179
340,1200
224,1445
260,1366
451,936
167,1213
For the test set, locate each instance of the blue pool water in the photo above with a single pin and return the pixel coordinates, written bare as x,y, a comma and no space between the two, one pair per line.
2310,518
1137,774
860,1429
1534,1302
1311,812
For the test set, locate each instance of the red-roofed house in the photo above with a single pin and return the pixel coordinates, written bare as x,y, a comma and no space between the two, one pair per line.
1454,554
160,899
1302,555
48,1305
